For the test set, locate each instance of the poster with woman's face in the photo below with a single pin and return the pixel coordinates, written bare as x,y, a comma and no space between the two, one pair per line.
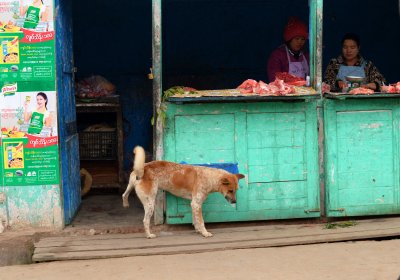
19,110
28,111
35,15
27,47
29,141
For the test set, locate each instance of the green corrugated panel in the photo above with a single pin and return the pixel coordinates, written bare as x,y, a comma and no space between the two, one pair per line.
36,206
275,145
361,153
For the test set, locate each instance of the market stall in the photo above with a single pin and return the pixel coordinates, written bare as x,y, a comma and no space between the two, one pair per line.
356,179
267,131
362,154
273,141
361,114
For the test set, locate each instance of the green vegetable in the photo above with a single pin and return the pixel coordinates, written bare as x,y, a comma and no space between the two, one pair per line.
340,224
176,90
172,91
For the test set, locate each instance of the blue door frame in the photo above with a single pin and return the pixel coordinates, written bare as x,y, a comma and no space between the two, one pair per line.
68,136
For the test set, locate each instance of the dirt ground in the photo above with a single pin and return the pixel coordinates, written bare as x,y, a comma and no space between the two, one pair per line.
346,260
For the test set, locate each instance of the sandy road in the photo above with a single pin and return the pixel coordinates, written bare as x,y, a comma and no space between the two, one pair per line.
348,260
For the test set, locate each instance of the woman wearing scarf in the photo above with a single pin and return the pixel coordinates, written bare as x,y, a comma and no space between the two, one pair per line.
290,56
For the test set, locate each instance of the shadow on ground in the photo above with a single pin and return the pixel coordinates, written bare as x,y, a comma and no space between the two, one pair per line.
101,211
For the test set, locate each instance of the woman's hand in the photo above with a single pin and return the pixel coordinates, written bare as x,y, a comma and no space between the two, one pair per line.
342,84
370,86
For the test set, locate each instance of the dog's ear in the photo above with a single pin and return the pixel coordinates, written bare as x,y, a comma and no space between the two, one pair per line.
239,176
225,181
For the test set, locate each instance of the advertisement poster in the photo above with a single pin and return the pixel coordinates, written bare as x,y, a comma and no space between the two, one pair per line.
29,138
26,40
28,111
1,164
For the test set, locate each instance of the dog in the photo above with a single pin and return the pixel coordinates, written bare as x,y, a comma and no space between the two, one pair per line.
182,180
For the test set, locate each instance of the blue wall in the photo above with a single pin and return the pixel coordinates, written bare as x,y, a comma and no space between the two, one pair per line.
212,44
113,39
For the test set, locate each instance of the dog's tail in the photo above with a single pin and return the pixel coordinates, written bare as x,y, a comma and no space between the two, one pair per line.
138,165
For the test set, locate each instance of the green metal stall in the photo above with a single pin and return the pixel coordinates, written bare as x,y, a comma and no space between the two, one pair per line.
334,155
275,143
362,154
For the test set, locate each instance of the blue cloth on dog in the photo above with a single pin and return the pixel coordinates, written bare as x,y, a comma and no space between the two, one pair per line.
230,167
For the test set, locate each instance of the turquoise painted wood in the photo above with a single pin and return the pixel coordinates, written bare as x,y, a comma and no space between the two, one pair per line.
274,144
34,206
362,156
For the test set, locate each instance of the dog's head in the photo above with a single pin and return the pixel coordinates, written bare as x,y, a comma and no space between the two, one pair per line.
229,185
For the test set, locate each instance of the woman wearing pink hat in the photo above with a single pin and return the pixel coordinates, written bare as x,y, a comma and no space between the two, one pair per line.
289,57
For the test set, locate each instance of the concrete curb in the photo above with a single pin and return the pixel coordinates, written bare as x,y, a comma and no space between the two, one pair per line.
17,250
17,246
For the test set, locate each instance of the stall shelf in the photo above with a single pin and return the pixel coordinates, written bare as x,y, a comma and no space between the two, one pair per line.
102,154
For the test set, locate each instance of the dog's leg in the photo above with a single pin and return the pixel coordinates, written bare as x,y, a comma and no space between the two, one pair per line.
129,188
198,220
194,219
148,201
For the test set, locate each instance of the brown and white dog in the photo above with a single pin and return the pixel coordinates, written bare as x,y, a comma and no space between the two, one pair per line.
183,180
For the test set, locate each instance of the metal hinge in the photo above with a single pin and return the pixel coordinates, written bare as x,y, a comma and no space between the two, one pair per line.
338,210
177,216
311,210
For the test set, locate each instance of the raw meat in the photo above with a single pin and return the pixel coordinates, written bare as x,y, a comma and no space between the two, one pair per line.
290,79
277,87
361,90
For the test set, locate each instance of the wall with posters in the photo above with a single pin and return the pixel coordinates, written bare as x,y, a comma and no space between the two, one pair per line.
29,152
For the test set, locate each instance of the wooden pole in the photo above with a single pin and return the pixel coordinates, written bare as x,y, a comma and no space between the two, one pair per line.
316,19
157,92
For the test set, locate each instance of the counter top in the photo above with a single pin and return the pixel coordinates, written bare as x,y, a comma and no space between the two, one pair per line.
341,96
250,98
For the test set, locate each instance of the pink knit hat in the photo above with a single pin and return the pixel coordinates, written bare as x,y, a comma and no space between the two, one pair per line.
295,27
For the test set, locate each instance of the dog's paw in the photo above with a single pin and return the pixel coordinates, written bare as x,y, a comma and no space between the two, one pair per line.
151,236
207,234
125,204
